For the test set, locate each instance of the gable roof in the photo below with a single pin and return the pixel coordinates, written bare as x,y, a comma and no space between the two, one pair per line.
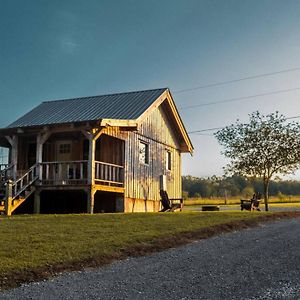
123,106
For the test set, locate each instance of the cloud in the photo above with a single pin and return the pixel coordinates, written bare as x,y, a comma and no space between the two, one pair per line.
69,45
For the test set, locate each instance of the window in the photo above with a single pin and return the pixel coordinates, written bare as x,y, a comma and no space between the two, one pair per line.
65,148
168,160
144,153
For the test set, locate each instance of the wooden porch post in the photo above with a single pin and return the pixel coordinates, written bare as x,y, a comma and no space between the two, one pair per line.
14,153
8,199
37,202
90,200
120,203
39,160
92,136
91,162
91,174
40,140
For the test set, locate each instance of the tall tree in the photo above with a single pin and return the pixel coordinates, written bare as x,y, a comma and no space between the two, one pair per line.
265,146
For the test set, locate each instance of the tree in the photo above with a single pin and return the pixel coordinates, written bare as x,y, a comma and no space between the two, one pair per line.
264,147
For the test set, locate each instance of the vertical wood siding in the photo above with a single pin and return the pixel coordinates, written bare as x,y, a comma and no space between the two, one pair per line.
142,181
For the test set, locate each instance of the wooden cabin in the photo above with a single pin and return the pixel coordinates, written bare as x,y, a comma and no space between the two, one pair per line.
110,153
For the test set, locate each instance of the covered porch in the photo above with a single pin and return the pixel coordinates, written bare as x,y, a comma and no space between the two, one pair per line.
73,160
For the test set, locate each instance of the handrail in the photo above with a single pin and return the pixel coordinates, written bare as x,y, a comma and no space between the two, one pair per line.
22,183
64,162
108,164
3,172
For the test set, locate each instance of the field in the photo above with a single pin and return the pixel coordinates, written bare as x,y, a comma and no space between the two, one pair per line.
35,247
236,200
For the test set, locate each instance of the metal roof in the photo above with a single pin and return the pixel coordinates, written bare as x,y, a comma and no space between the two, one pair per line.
123,106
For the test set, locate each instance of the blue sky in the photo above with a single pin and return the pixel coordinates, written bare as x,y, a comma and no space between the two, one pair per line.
70,48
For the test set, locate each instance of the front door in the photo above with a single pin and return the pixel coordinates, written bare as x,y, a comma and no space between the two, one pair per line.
63,155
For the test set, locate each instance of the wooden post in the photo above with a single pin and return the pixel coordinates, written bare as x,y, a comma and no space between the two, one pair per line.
13,154
39,156
37,202
90,200
40,140
91,162
8,198
120,205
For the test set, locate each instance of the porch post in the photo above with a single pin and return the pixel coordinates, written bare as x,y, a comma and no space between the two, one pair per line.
37,202
13,152
91,162
40,140
8,198
92,136
90,200
39,160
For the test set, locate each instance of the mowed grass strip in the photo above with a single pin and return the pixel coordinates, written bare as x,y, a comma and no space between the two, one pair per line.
41,242
237,200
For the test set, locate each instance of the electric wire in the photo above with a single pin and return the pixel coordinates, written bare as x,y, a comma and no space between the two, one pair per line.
236,80
199,132
240,98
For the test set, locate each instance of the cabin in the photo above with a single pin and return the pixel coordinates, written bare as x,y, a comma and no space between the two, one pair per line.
109,153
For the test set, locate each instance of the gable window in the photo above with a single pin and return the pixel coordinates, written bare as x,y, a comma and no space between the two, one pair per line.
144,153
168,160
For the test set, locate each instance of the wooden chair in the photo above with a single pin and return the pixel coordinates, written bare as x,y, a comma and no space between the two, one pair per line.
170,205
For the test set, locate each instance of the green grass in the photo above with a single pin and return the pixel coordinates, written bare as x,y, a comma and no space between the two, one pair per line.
236,200
237,207
30,242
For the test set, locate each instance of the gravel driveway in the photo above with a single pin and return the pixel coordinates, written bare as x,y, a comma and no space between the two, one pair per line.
257,263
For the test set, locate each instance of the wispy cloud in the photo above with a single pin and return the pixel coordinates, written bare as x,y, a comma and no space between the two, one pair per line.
69,45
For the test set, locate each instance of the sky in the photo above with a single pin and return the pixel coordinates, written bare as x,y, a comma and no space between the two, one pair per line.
70,48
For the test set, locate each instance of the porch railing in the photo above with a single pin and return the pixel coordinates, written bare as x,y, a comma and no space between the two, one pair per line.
109,174
22,183
64,172
6,171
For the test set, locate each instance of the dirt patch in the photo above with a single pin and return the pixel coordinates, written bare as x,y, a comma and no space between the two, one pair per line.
17,278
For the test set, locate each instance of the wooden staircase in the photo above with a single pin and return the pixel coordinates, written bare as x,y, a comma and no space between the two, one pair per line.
14,193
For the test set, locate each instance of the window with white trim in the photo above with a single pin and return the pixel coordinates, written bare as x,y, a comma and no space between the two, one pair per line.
168,160
144,153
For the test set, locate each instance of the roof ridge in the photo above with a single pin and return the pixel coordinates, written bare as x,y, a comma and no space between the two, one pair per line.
95,96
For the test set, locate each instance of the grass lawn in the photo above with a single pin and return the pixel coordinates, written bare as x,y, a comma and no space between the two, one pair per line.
41,242
237,200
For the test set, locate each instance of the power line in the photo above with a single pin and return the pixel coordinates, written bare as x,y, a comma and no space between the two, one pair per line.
198,132
241,98
236,80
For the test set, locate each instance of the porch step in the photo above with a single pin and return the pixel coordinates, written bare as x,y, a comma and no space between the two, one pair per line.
16,202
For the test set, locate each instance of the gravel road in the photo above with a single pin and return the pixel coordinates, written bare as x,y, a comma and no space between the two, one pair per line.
257,263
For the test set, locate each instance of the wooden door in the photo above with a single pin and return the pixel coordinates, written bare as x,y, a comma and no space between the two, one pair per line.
63,154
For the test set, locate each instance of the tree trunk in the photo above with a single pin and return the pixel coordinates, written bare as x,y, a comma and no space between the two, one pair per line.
266,193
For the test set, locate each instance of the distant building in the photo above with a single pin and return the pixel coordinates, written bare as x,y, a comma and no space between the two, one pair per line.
94,154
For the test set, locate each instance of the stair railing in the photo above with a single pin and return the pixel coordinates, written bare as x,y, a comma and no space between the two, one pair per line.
22,183
5,171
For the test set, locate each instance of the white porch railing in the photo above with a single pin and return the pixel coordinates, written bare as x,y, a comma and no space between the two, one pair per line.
64,172
109,174
22,183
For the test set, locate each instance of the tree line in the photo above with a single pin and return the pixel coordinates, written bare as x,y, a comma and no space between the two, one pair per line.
235,186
